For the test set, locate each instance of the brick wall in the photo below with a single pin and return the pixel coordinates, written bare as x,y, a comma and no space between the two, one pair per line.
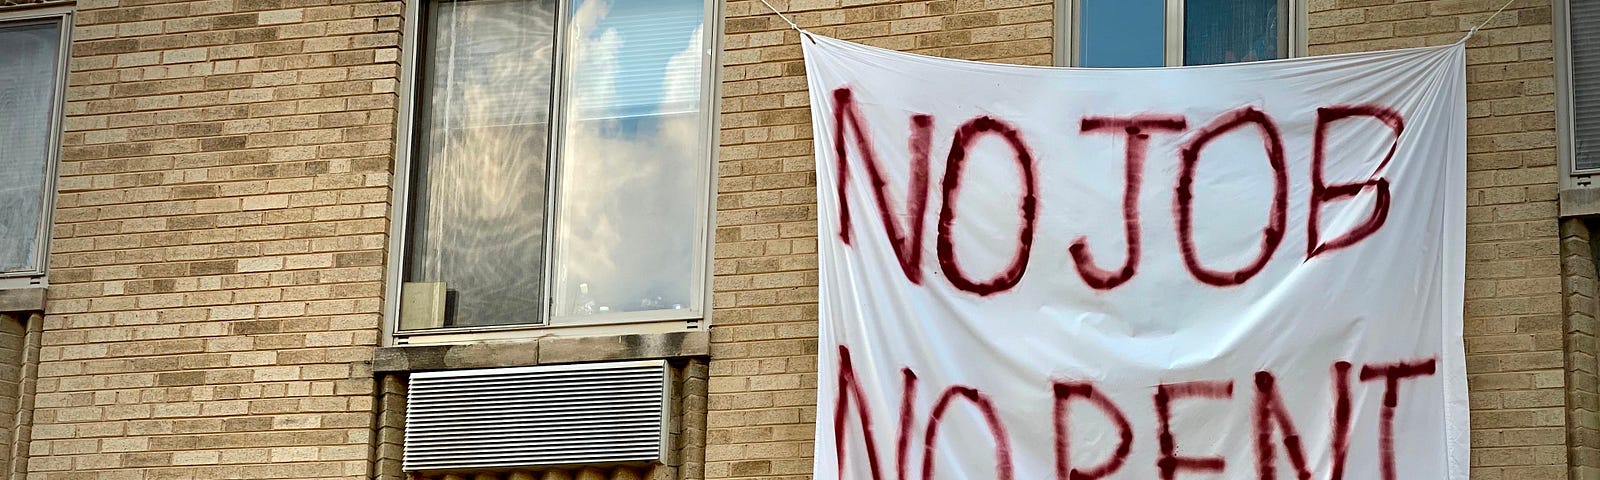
1514,322
217,263
389,428
1583,393
763,373
13,346
27,375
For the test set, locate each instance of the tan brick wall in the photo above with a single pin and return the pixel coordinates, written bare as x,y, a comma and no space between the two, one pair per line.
1514,323
218,254
1583,392
389,429
14,355
21,421
763,372
13,331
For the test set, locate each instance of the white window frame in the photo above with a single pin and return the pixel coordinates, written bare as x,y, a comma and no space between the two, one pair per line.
659,321
1067,27
39,14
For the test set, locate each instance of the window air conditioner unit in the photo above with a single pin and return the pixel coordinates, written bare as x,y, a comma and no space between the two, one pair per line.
597,413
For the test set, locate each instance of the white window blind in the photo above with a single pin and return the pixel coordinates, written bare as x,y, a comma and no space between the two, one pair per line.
1584,28
491,62
631,63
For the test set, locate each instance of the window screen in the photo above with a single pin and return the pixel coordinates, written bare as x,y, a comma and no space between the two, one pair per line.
29,70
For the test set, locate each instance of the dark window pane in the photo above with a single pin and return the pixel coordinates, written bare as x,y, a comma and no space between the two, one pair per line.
1228,31
1584,28
28,68
477,219
1122,33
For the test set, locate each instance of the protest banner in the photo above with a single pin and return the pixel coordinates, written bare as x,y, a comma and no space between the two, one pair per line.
1233,271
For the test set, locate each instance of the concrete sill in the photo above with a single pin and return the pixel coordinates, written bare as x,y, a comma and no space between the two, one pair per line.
22,300
541,351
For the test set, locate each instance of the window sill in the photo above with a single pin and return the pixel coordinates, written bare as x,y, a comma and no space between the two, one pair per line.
584,325
546,350
1579,201
26,5
22,300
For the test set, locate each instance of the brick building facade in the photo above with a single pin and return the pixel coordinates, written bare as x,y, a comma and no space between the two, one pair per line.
222,289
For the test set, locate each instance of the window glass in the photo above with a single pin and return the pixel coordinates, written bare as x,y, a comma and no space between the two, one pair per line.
477,213
28,76
1228,31
1122,33
1584,30
633,157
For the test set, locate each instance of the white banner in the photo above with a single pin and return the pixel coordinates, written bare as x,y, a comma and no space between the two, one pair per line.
1248,271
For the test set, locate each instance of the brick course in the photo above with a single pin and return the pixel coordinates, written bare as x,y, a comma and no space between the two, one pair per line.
1583,392
217,258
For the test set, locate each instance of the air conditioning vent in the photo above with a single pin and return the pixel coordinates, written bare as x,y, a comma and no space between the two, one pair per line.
536,416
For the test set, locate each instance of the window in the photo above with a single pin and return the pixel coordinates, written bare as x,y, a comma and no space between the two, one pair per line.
1582,81
32,66
560,154
1154,33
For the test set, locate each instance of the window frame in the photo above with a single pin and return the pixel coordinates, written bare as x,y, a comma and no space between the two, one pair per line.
1067,20
62,15
657,321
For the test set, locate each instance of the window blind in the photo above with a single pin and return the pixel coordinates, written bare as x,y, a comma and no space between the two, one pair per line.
642,59
1584,25
491,62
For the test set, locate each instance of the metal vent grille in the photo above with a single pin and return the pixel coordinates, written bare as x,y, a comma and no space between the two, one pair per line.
536,416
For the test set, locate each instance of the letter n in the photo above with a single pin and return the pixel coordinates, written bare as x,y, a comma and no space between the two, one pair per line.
907,243
1270,410
850,391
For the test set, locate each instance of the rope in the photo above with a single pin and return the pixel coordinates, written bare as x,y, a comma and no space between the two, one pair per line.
786,19
1480,25
781,15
